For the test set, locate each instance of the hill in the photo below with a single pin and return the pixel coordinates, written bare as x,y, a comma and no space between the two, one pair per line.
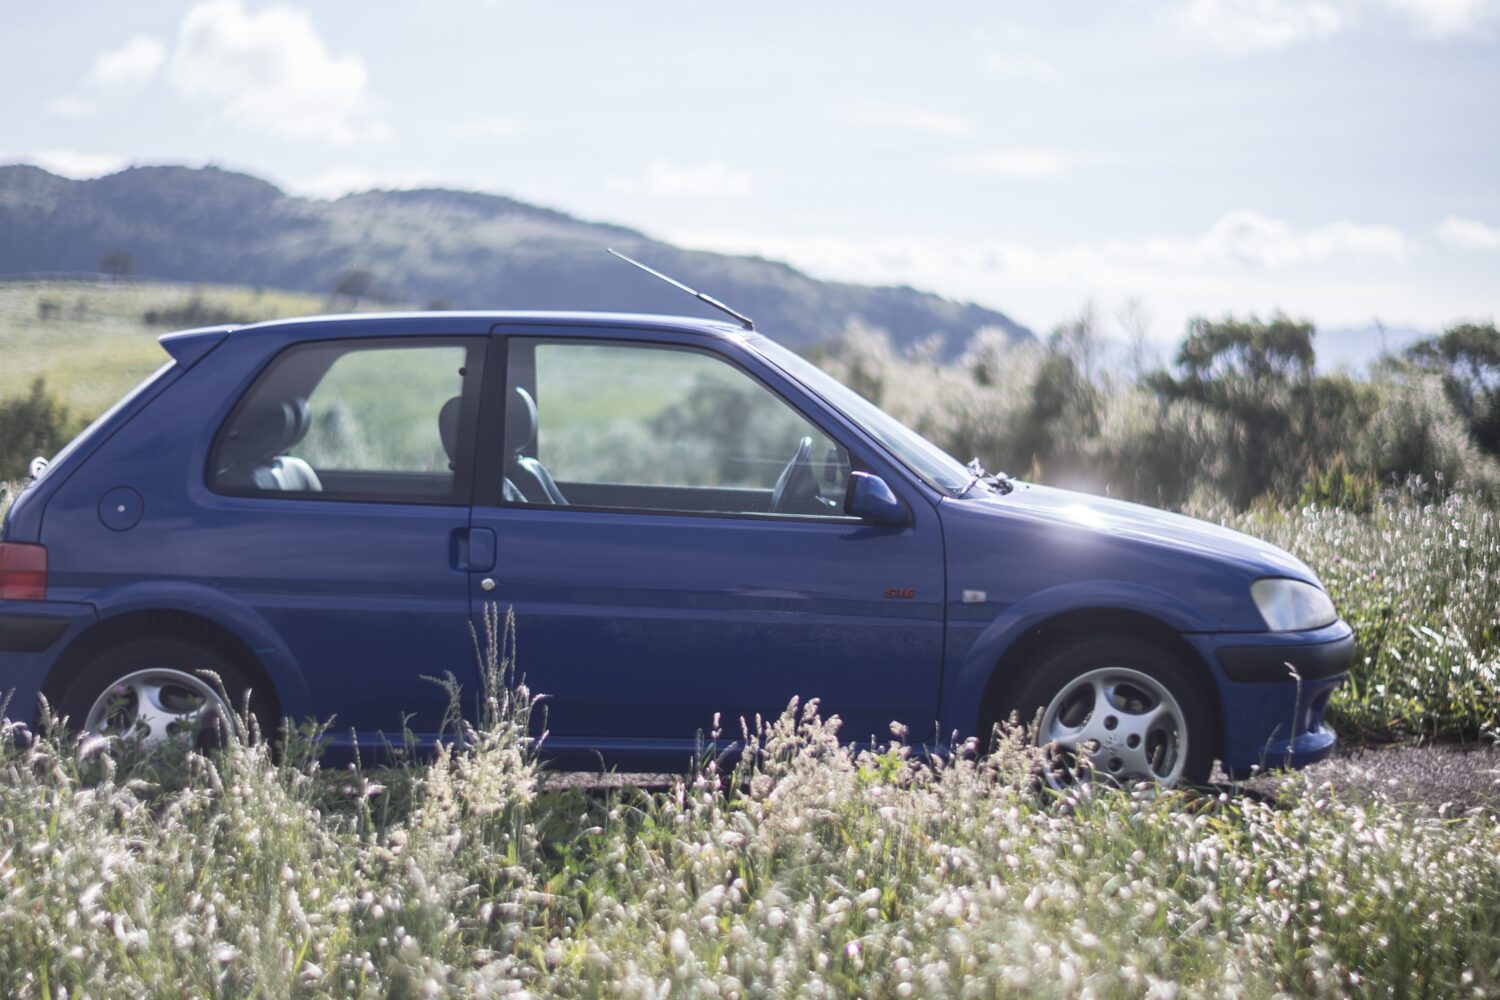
456,248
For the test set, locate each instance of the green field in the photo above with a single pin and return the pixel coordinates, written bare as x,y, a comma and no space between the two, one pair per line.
91,341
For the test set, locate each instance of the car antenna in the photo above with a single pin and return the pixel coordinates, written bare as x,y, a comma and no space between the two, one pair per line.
745,321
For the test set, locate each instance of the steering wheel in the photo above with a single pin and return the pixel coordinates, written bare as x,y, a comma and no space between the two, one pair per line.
796,489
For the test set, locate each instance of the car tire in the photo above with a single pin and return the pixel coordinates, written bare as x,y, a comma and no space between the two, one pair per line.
1150,716
167,677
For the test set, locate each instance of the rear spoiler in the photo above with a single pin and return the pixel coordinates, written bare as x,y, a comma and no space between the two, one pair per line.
189,346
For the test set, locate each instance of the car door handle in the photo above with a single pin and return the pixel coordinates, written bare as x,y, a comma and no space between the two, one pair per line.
481,550
473,550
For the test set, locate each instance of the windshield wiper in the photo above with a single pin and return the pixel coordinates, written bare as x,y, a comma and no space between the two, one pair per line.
976,473
997,481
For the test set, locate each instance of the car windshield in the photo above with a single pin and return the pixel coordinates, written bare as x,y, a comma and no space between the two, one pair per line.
920,455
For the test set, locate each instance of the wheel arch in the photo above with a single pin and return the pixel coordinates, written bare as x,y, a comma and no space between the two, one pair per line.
266,665
1007,671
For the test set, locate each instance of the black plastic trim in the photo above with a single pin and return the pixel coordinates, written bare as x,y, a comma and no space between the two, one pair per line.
28,634
1268,664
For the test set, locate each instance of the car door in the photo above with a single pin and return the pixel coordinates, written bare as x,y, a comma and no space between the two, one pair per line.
340,507
671,538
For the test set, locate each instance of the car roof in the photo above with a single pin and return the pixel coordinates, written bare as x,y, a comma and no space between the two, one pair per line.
481,321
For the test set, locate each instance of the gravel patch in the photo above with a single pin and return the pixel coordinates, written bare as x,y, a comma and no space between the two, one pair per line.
1449,778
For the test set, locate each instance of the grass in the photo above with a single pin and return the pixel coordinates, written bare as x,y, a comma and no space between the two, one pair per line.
808,871
91,340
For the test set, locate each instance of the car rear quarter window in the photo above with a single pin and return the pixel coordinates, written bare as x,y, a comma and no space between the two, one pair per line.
365,420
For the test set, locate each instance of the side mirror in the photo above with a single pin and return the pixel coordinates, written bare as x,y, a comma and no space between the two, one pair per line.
870,499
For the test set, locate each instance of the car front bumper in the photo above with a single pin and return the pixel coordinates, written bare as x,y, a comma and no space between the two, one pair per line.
1273,690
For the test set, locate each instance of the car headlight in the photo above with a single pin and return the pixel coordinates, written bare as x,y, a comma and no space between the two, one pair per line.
1291,605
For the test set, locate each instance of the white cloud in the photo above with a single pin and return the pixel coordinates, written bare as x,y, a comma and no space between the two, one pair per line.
1341,272
272,71
664,177
1442,19
135,62
1249,239
71,162
1022,65
1468,234
1014,164
1262,25
906,118
70,107
336,182
497,127
1257,25
1017,55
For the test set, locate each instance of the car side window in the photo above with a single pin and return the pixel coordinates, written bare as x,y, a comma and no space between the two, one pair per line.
648,427
349,419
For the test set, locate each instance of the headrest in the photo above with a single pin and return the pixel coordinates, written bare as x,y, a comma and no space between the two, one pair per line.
520,419
268,428
448,426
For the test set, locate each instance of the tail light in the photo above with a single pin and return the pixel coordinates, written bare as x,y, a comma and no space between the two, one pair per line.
23,572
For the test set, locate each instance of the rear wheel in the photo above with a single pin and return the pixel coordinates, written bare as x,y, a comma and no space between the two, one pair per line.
160,691
1128,708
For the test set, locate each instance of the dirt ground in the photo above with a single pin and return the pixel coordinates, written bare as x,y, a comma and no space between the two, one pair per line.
1445,777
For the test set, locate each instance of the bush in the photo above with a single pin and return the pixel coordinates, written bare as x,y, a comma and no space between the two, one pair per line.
32,425
1338,484
1243,418
193,312
1416,431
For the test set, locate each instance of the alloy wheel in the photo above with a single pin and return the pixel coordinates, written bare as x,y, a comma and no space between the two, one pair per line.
157,705
1136,727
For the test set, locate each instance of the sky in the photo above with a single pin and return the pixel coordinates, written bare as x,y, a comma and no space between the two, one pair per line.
1338,160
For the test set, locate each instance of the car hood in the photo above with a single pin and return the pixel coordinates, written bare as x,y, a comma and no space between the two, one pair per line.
1124,521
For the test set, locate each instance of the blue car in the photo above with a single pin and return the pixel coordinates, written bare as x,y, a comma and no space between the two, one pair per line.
686,518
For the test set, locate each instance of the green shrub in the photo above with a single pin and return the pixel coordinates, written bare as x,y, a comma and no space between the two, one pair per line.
1242,418
1467,359
32,425
1416,431
1339,484
195,311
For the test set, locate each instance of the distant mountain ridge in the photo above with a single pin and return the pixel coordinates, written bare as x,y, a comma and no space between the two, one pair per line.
460,248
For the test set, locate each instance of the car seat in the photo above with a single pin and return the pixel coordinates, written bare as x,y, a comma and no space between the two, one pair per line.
532,478
254,457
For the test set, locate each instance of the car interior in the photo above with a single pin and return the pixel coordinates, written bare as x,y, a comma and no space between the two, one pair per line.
257,458
290,436
287,436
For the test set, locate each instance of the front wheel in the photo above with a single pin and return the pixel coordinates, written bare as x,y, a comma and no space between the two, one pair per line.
1133,708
